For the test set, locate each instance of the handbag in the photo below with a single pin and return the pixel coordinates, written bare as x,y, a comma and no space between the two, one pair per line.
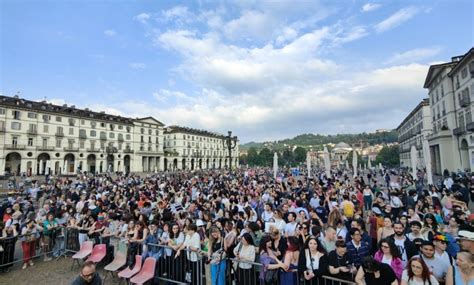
219,255
271,276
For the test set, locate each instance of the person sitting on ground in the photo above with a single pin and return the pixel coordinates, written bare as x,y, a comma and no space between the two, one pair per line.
88,275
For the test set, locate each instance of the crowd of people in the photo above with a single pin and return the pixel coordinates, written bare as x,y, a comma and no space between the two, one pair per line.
381,227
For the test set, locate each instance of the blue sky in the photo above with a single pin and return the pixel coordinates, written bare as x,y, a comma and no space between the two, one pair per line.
264,69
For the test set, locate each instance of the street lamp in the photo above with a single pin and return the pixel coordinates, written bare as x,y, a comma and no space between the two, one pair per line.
231,142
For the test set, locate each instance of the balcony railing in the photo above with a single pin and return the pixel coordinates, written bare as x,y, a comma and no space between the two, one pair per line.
71,149
470,127
120,139
111,149
103,138
128,150
45,148
465,101
93,150
82,136
2,129
15,146
32,131
59,134
459,131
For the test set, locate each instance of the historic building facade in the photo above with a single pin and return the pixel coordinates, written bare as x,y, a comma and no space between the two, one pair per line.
451,89
412,131
191,149
41,138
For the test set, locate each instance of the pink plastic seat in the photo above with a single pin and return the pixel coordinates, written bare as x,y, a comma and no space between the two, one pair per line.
127,272
147,273
98,253
86,250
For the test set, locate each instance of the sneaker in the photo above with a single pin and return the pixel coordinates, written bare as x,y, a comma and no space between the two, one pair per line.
25,265
31,263
46,259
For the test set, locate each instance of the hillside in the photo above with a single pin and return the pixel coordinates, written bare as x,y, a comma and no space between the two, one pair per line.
315,140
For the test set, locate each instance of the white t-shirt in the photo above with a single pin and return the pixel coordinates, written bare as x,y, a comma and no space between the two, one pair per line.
290,229
387,261
195,242
415,281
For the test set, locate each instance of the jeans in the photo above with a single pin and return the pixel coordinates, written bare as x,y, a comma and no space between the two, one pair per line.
218,273
367,203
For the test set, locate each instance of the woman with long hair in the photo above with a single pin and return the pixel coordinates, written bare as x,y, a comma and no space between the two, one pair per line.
313,261
388,253
417,273
216,256
270,263
244,254
386,230
291,258
175,266
430,226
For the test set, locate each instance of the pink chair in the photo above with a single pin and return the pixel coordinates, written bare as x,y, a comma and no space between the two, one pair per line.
127,272
98,253
86,250
119,261
147,273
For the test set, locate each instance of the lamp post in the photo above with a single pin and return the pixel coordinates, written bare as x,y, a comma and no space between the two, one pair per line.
231,143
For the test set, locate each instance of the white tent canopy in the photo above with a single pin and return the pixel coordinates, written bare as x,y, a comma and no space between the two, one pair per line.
414,158
327,162
427,156
275,165
308,164
354,162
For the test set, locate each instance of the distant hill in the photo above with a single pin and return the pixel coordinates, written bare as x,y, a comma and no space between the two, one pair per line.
315,140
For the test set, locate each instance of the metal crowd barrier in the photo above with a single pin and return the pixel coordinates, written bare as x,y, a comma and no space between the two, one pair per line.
15,250
230,271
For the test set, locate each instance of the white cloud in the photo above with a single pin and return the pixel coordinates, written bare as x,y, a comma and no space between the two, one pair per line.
250,24
164,95
142,18
397,19
371,7
414,55
178,15
137,65
110,33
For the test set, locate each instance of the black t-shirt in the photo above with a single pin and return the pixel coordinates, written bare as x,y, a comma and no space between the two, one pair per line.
338,261
387,276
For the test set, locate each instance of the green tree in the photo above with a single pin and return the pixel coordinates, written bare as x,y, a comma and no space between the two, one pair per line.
286,158
300,154
253,158
265,157
243,159
388,156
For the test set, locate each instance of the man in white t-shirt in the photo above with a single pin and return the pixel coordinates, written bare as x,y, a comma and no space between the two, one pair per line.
290,227
436,266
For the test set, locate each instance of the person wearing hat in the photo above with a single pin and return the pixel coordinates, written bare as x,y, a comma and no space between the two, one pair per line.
437,267
440,242
466,240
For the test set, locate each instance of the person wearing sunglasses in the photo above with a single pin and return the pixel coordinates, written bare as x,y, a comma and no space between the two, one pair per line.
88,275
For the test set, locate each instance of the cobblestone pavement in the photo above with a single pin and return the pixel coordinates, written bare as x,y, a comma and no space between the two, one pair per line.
55,272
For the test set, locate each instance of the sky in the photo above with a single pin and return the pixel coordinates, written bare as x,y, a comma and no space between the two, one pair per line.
266,70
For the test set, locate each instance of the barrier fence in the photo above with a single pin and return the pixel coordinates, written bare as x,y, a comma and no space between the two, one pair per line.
189,267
